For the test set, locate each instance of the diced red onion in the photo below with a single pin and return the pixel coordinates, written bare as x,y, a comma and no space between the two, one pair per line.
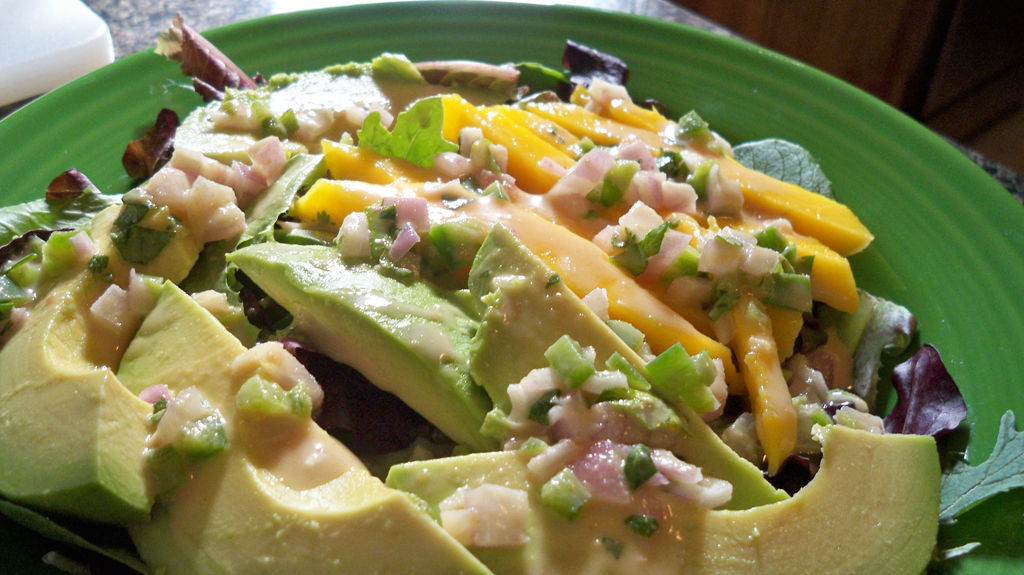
646,187
83,247
169,186
672,245
140,298
584,174
268,158
600,470
410,210
605,237
674,469
638,152
759,261
246,183
211,211
278,365
451,165
467,137
552,167
404,241
604,92
155,393
111,308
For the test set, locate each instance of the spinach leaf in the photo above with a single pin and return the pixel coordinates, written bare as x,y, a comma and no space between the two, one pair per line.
784,161
416,136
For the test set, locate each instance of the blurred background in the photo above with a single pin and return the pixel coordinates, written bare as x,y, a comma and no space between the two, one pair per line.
955,65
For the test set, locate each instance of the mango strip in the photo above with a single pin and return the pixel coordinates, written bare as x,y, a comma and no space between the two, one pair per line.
336,199
584,123
811,214
348,162
584,267
525,148
624,111
545,128
770,402
832,280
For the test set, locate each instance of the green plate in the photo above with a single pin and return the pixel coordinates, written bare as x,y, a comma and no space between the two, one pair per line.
950,240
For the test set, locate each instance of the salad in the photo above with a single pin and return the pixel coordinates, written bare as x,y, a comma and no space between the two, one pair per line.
546,327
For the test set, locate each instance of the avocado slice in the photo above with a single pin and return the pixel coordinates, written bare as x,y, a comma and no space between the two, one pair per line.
285,497
405,338
872,508
530,309
73,436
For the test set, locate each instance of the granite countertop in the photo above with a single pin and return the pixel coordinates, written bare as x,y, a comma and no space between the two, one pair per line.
134,26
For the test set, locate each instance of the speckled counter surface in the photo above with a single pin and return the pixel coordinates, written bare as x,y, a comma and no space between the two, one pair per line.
135,25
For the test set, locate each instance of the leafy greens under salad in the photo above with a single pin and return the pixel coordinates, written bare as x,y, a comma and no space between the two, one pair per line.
727,305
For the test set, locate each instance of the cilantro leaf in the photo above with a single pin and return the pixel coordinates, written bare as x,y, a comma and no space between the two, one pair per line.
784,161
416,136
965,485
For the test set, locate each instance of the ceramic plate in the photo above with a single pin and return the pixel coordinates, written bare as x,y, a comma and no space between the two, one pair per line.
950,240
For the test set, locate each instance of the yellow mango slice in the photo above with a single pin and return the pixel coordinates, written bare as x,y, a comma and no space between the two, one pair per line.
624,111
525,148
584,123
770,402
338,198
832,280
584,267
348,162
545,128
811,214
786,325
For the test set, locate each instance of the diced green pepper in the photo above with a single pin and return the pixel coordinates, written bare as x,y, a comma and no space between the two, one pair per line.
676,376
639,466
568,361
564,494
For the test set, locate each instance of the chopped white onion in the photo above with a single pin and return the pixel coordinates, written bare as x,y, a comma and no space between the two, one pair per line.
597,301
354,236
640,219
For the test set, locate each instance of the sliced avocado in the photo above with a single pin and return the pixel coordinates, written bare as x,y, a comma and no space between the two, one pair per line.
530,310
338,88
173,262
181,337
286,497
406,339
872,508
73,436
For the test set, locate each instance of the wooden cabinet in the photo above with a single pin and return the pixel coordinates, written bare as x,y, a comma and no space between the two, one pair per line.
957,65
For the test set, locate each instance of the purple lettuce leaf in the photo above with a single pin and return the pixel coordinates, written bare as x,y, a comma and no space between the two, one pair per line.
928,400
585,64
144,156
211,70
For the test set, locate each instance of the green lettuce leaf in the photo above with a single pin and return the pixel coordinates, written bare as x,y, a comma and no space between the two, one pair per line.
109,542
416,136
52,214
965,486
784,161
